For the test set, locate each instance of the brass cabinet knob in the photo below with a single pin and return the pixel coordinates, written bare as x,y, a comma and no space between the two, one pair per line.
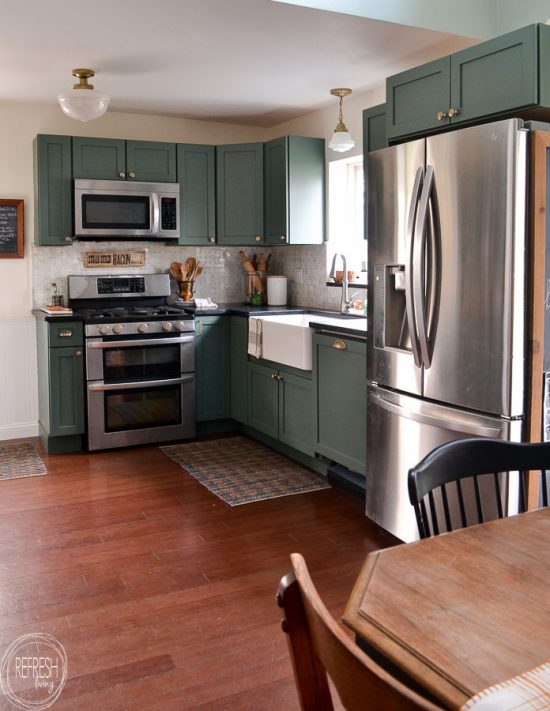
280,377
131,175
122,174
440,115
258,238
68,238
453,112
211,240
274,376
282,238
78,354
340,345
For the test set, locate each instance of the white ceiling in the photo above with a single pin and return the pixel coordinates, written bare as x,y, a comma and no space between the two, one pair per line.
253,62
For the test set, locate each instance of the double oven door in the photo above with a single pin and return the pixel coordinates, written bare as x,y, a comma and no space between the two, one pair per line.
140,389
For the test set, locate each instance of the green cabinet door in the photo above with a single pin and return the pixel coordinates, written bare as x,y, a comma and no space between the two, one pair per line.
296,411
66,373
495,77
99,158
52,190
239,176
238,326
151,161
418,100
339,373
212,364
294,175
197,181
263,399
374,129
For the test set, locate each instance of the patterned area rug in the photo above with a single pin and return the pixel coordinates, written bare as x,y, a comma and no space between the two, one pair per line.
19,460
240,470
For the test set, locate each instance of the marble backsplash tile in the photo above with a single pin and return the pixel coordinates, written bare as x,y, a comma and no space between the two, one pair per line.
222,278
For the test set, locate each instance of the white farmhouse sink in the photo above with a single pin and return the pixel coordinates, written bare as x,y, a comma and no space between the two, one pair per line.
287,339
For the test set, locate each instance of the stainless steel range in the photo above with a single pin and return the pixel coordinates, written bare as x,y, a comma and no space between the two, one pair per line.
140,360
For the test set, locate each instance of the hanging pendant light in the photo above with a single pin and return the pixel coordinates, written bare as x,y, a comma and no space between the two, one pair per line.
341,140
82,103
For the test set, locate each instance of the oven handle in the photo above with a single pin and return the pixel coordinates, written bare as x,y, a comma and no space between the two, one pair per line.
144,342
101,387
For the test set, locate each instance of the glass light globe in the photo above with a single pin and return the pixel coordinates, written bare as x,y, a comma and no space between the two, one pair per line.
83,105
341,141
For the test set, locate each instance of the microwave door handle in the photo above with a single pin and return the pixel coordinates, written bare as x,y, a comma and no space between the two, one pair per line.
409,268
419,261
156,213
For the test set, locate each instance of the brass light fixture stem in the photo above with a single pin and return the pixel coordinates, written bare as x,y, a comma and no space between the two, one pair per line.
341,126
83,75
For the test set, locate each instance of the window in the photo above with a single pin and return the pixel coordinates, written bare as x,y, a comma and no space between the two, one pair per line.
346,221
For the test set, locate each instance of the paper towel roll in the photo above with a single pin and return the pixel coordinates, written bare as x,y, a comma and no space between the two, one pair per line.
276,290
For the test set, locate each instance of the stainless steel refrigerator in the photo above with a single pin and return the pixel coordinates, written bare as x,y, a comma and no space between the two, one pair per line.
446,342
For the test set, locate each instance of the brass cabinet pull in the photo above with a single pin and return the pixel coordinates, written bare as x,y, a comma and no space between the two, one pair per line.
68,238
78,354
122,174
440,115
282,238
65,333
131,175
340,345
258,238
211,240
453,112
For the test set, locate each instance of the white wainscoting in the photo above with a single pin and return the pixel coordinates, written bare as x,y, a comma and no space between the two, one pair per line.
18,378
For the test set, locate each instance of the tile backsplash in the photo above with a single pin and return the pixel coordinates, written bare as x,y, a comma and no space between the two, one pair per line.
222,278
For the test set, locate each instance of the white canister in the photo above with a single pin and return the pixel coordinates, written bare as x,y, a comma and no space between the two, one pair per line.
276,290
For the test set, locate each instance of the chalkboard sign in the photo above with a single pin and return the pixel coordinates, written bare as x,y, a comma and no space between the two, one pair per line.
11,229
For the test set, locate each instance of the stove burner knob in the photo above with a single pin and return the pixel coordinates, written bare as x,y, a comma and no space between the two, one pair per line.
179,325
118,328
104,330
142,327
166,326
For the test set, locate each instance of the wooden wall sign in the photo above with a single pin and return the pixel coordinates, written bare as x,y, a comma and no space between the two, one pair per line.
11,229
113,259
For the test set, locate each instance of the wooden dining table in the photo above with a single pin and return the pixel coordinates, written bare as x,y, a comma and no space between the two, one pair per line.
461,611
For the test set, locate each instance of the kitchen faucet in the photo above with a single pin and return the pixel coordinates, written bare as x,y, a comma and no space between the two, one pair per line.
345,302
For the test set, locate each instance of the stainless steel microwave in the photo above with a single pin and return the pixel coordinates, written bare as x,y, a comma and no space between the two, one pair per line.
110,209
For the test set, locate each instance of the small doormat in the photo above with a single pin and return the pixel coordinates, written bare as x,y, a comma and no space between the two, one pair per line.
240,470
19,460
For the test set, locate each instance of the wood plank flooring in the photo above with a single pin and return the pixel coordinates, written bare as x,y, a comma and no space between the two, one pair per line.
163,596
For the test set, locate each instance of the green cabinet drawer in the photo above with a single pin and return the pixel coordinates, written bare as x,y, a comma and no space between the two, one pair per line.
212,368
63,334
240,193
197,181
340,383
52,190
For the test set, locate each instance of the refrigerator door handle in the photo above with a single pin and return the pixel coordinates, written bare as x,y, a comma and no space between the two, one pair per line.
409,269
420,268
456,423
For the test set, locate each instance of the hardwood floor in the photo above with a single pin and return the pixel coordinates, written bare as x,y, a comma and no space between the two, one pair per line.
163,596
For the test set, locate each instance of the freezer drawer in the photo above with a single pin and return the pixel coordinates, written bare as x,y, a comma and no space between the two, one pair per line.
401,430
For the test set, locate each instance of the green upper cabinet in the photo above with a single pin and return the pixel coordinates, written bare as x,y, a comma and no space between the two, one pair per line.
116,159
503,76
52,191
240,207
212,367
294,170
197,181
374,129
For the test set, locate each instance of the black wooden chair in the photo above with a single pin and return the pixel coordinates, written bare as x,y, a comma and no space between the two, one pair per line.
465,482
319,647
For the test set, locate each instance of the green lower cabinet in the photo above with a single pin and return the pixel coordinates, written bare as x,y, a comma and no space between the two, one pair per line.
340,384
212,364
53,208
280,404
61,397
238,327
